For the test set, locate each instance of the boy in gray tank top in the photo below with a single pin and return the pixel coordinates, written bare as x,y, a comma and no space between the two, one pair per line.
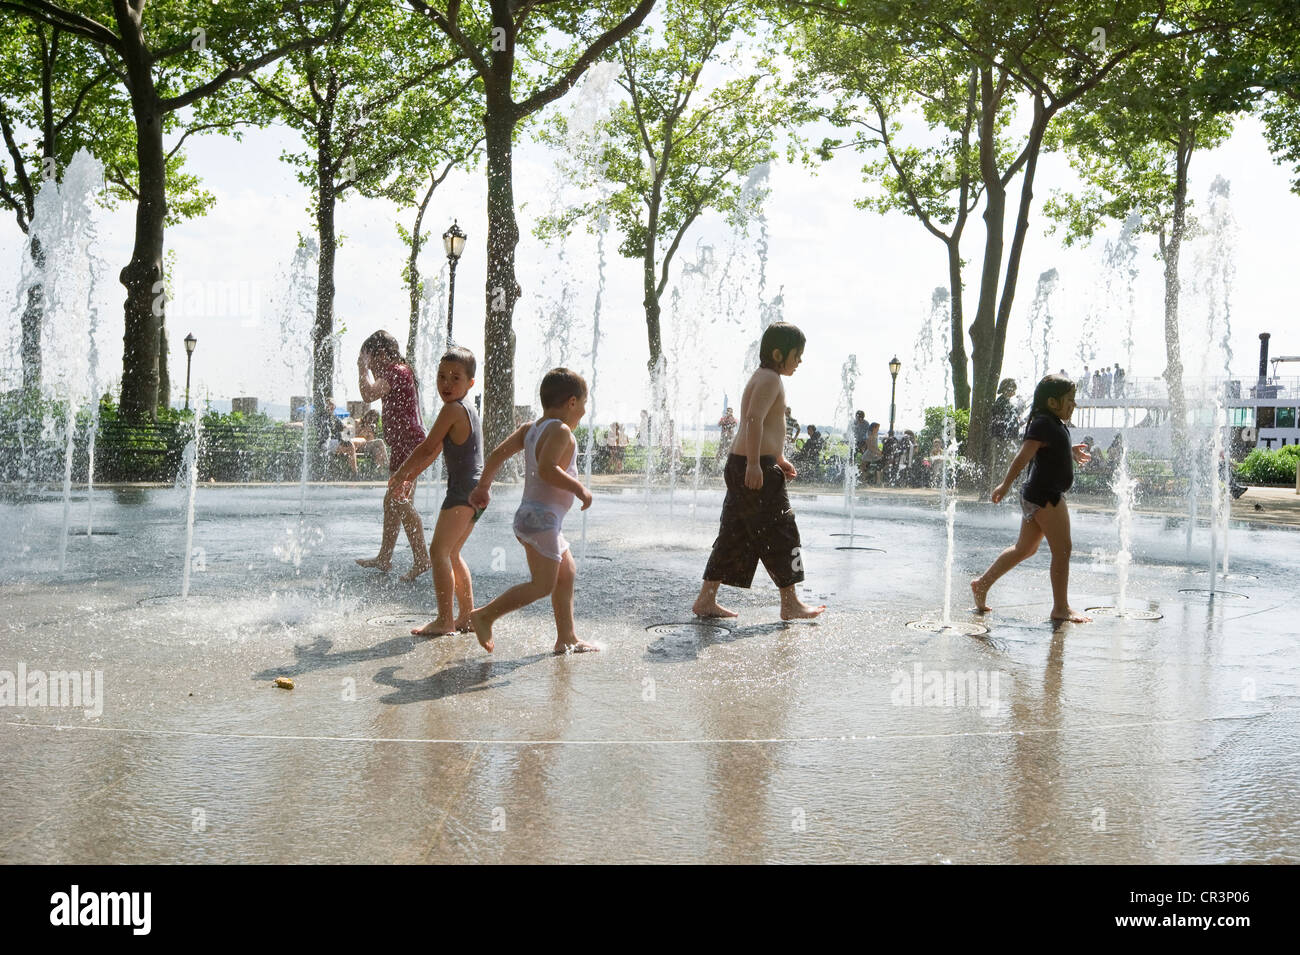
457,434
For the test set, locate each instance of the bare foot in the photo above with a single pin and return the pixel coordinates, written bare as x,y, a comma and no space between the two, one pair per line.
434,628
798,610
463,625
482,630
981,593
574,646
711,608
378,563
1071,615
415,572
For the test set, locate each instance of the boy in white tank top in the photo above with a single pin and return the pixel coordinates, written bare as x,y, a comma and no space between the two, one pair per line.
550,485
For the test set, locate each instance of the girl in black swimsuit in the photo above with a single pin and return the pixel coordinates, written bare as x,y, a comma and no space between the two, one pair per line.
1042,500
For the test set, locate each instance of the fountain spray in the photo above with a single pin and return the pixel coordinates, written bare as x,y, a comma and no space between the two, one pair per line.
64,224
603,226
192,461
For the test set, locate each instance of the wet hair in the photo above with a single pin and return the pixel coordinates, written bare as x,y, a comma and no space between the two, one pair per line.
463,357
1052,386
782,337
370,416
559,385
1006,383
383,345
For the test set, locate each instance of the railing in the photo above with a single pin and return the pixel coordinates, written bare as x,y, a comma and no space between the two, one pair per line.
1196,389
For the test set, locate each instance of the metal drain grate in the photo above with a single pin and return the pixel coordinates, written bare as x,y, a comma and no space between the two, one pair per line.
164,600
1192,591
1124,613
690,629
958,627
399,620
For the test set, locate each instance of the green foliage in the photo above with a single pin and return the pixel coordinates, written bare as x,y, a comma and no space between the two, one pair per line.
934,426
684,139
376,110
1264,466
1124,137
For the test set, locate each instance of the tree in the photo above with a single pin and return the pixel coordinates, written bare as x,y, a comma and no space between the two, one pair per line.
161,55
676,149
494,37
1031,60
55,98
1132,142
460,150
1269,63
372,111
874,82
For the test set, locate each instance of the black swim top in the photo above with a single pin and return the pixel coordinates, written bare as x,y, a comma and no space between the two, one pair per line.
1051,473
464,461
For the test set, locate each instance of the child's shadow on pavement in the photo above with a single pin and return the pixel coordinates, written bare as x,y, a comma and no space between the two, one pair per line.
471,676
670,648
316,656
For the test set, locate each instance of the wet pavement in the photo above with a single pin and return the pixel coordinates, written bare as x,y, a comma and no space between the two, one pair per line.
852,738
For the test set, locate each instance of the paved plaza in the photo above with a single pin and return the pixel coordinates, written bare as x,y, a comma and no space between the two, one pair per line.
854,738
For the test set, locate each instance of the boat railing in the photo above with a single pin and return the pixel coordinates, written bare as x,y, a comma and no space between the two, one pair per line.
1138,389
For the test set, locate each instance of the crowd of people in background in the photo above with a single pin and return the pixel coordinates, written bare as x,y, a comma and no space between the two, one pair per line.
1104,382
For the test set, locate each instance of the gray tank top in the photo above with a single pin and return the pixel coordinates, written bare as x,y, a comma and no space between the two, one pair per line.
464,461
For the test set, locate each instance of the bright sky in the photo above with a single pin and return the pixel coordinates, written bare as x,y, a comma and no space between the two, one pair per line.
856,282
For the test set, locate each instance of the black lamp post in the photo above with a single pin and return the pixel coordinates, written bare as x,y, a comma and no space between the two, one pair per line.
190,342
453,240
894,366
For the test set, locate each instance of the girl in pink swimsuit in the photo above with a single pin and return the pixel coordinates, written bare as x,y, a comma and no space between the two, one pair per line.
384,375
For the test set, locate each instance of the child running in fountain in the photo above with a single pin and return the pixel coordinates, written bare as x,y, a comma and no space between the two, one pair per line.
457,435
1042,499
383,375
550,485
757,522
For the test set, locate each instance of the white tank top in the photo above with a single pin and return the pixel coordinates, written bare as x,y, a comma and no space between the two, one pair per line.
537,491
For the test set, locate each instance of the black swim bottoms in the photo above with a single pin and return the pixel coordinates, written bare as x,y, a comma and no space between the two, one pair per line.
755,525
459,498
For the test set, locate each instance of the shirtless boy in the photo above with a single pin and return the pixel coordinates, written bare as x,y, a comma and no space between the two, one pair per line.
757,522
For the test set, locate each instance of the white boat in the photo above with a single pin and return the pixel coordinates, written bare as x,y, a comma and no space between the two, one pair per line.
1258,410
1264,416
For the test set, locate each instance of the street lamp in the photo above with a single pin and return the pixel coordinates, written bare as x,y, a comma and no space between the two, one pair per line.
894,366
190,342
453,240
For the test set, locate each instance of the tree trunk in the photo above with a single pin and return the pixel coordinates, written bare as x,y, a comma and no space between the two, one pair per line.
164,372
33,312
502,288
983,328
1173,348
322,333
651,298
988,363
957,354
143,275
413,272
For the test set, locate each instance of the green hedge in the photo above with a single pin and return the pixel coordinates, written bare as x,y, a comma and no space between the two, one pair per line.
1263,466
934,427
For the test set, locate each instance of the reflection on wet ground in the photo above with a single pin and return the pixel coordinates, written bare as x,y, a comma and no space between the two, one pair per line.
852,738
